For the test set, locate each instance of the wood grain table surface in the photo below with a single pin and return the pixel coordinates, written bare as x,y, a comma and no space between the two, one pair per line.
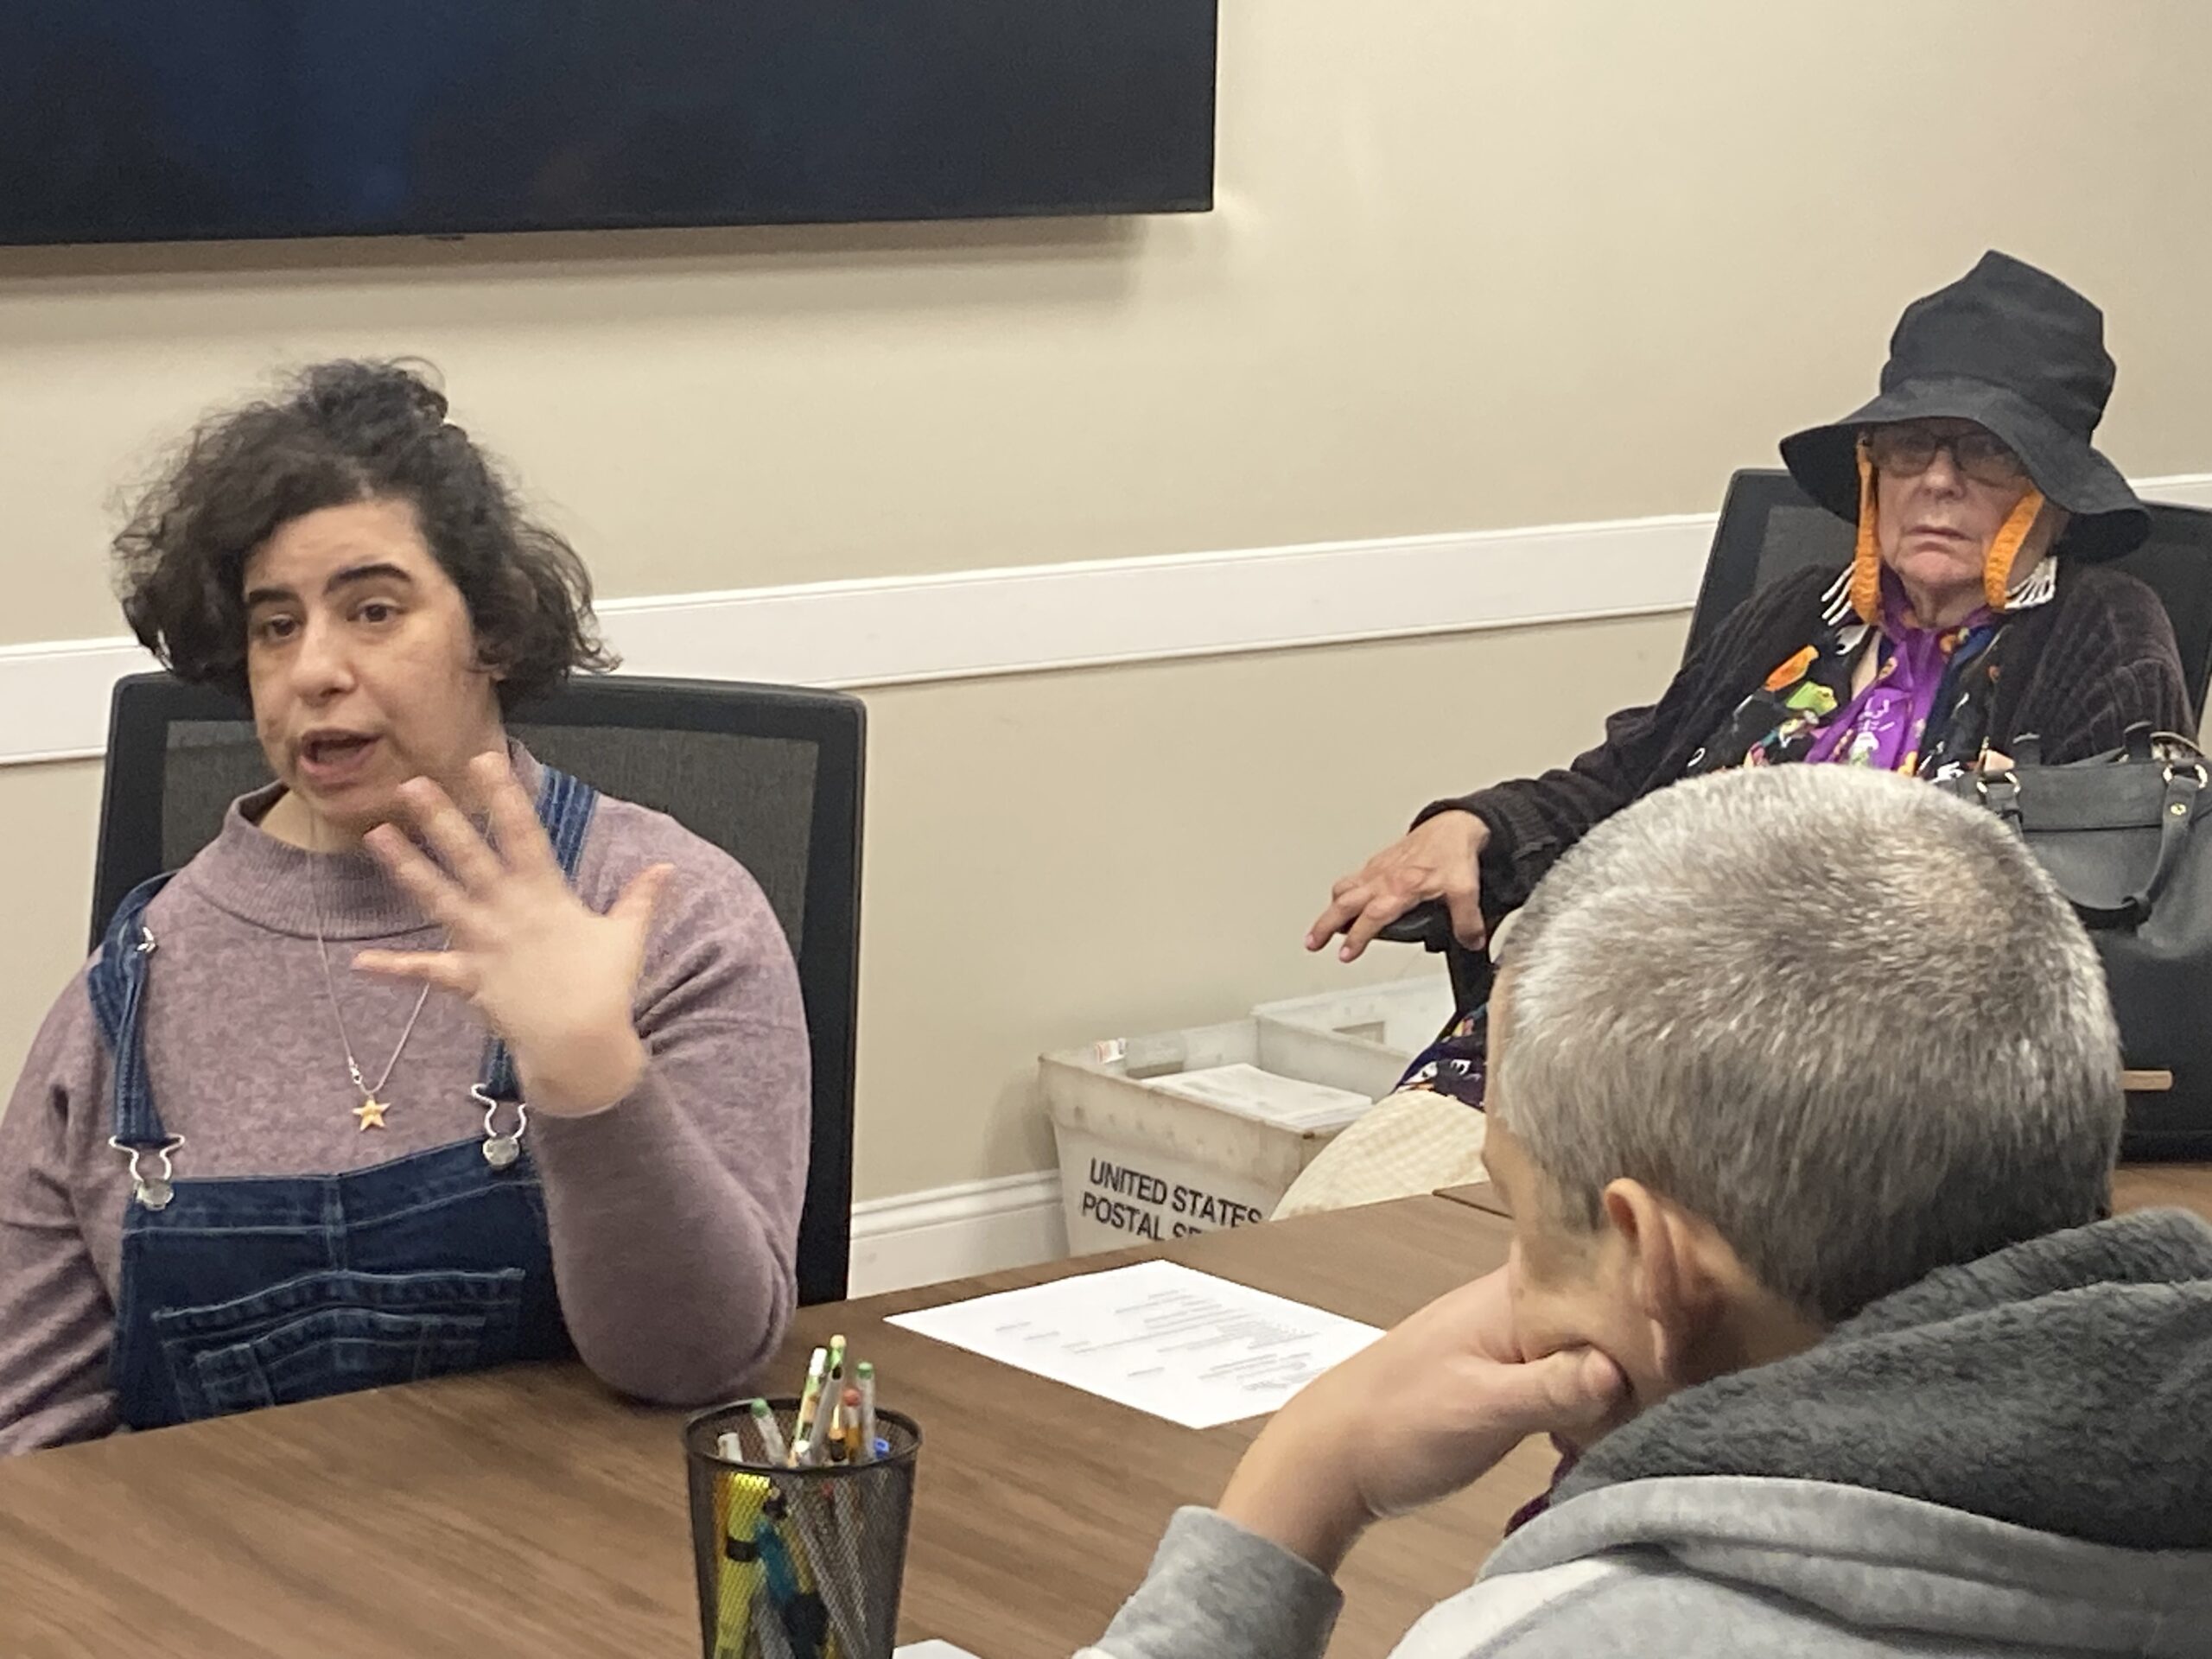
530,1512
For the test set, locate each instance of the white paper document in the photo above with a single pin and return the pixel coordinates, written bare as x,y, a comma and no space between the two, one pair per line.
1181,1345
932,1649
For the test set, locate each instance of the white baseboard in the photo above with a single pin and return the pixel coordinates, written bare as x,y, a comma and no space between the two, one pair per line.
951,1232
975,624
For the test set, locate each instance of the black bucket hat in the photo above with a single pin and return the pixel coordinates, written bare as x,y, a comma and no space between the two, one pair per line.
2015,350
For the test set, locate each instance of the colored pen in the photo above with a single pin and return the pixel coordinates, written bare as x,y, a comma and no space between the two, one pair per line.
856,1441
803,1612
777,1570
768,1636
816,1513
763,1419
867,1375
802,1426
833,1391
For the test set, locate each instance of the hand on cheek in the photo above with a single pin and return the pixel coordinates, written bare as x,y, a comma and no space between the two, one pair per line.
1425,1411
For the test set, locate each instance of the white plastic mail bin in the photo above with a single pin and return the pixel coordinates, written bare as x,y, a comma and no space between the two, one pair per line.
1362,1040
1209,1133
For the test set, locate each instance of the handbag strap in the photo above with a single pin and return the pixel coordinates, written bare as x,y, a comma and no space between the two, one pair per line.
2185,784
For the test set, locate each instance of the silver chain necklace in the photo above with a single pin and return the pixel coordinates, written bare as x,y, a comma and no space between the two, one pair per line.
372,1110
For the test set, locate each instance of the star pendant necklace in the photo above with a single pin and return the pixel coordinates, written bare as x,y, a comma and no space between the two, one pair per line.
370,1113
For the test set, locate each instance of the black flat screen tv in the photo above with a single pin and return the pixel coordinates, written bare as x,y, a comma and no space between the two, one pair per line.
168,120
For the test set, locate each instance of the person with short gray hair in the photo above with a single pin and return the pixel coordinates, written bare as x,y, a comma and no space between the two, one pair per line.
1805,1099
1676,1023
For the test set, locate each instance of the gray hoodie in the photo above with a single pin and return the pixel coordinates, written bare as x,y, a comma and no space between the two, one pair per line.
2011,1457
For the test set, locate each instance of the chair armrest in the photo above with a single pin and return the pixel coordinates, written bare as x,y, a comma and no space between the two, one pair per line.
1428,925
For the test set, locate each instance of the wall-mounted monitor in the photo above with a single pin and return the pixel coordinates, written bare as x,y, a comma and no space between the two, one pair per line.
165,120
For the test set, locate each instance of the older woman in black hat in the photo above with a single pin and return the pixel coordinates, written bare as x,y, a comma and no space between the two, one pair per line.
1977,608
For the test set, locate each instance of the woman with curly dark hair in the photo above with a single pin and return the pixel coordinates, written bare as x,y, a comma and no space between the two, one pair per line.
251,1158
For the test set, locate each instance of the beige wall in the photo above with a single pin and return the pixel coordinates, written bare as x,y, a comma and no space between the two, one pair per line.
1475,264
1101,854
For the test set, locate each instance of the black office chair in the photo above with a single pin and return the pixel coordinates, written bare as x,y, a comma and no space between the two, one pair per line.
769,774
1769,529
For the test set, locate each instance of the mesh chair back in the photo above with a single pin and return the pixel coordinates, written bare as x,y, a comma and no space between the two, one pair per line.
2176,564
771,775
1769,529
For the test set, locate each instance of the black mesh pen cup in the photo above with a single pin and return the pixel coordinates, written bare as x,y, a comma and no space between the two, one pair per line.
797,1563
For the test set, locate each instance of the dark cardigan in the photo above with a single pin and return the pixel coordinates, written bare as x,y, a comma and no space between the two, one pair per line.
2078,672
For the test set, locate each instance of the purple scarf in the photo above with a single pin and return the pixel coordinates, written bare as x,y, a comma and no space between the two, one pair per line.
1882,726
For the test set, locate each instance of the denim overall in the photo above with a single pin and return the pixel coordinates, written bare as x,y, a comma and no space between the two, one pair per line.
249,1291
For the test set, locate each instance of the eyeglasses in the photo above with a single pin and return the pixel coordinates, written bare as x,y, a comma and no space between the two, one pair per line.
1907,451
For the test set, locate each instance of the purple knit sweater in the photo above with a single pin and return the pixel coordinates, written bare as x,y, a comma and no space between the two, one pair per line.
674,1214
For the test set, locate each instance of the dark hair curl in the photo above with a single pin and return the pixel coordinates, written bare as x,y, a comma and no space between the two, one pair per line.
340,433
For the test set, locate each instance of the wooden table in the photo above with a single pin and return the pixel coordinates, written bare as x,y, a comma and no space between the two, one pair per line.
2134,1186
527,1512
2164,1186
